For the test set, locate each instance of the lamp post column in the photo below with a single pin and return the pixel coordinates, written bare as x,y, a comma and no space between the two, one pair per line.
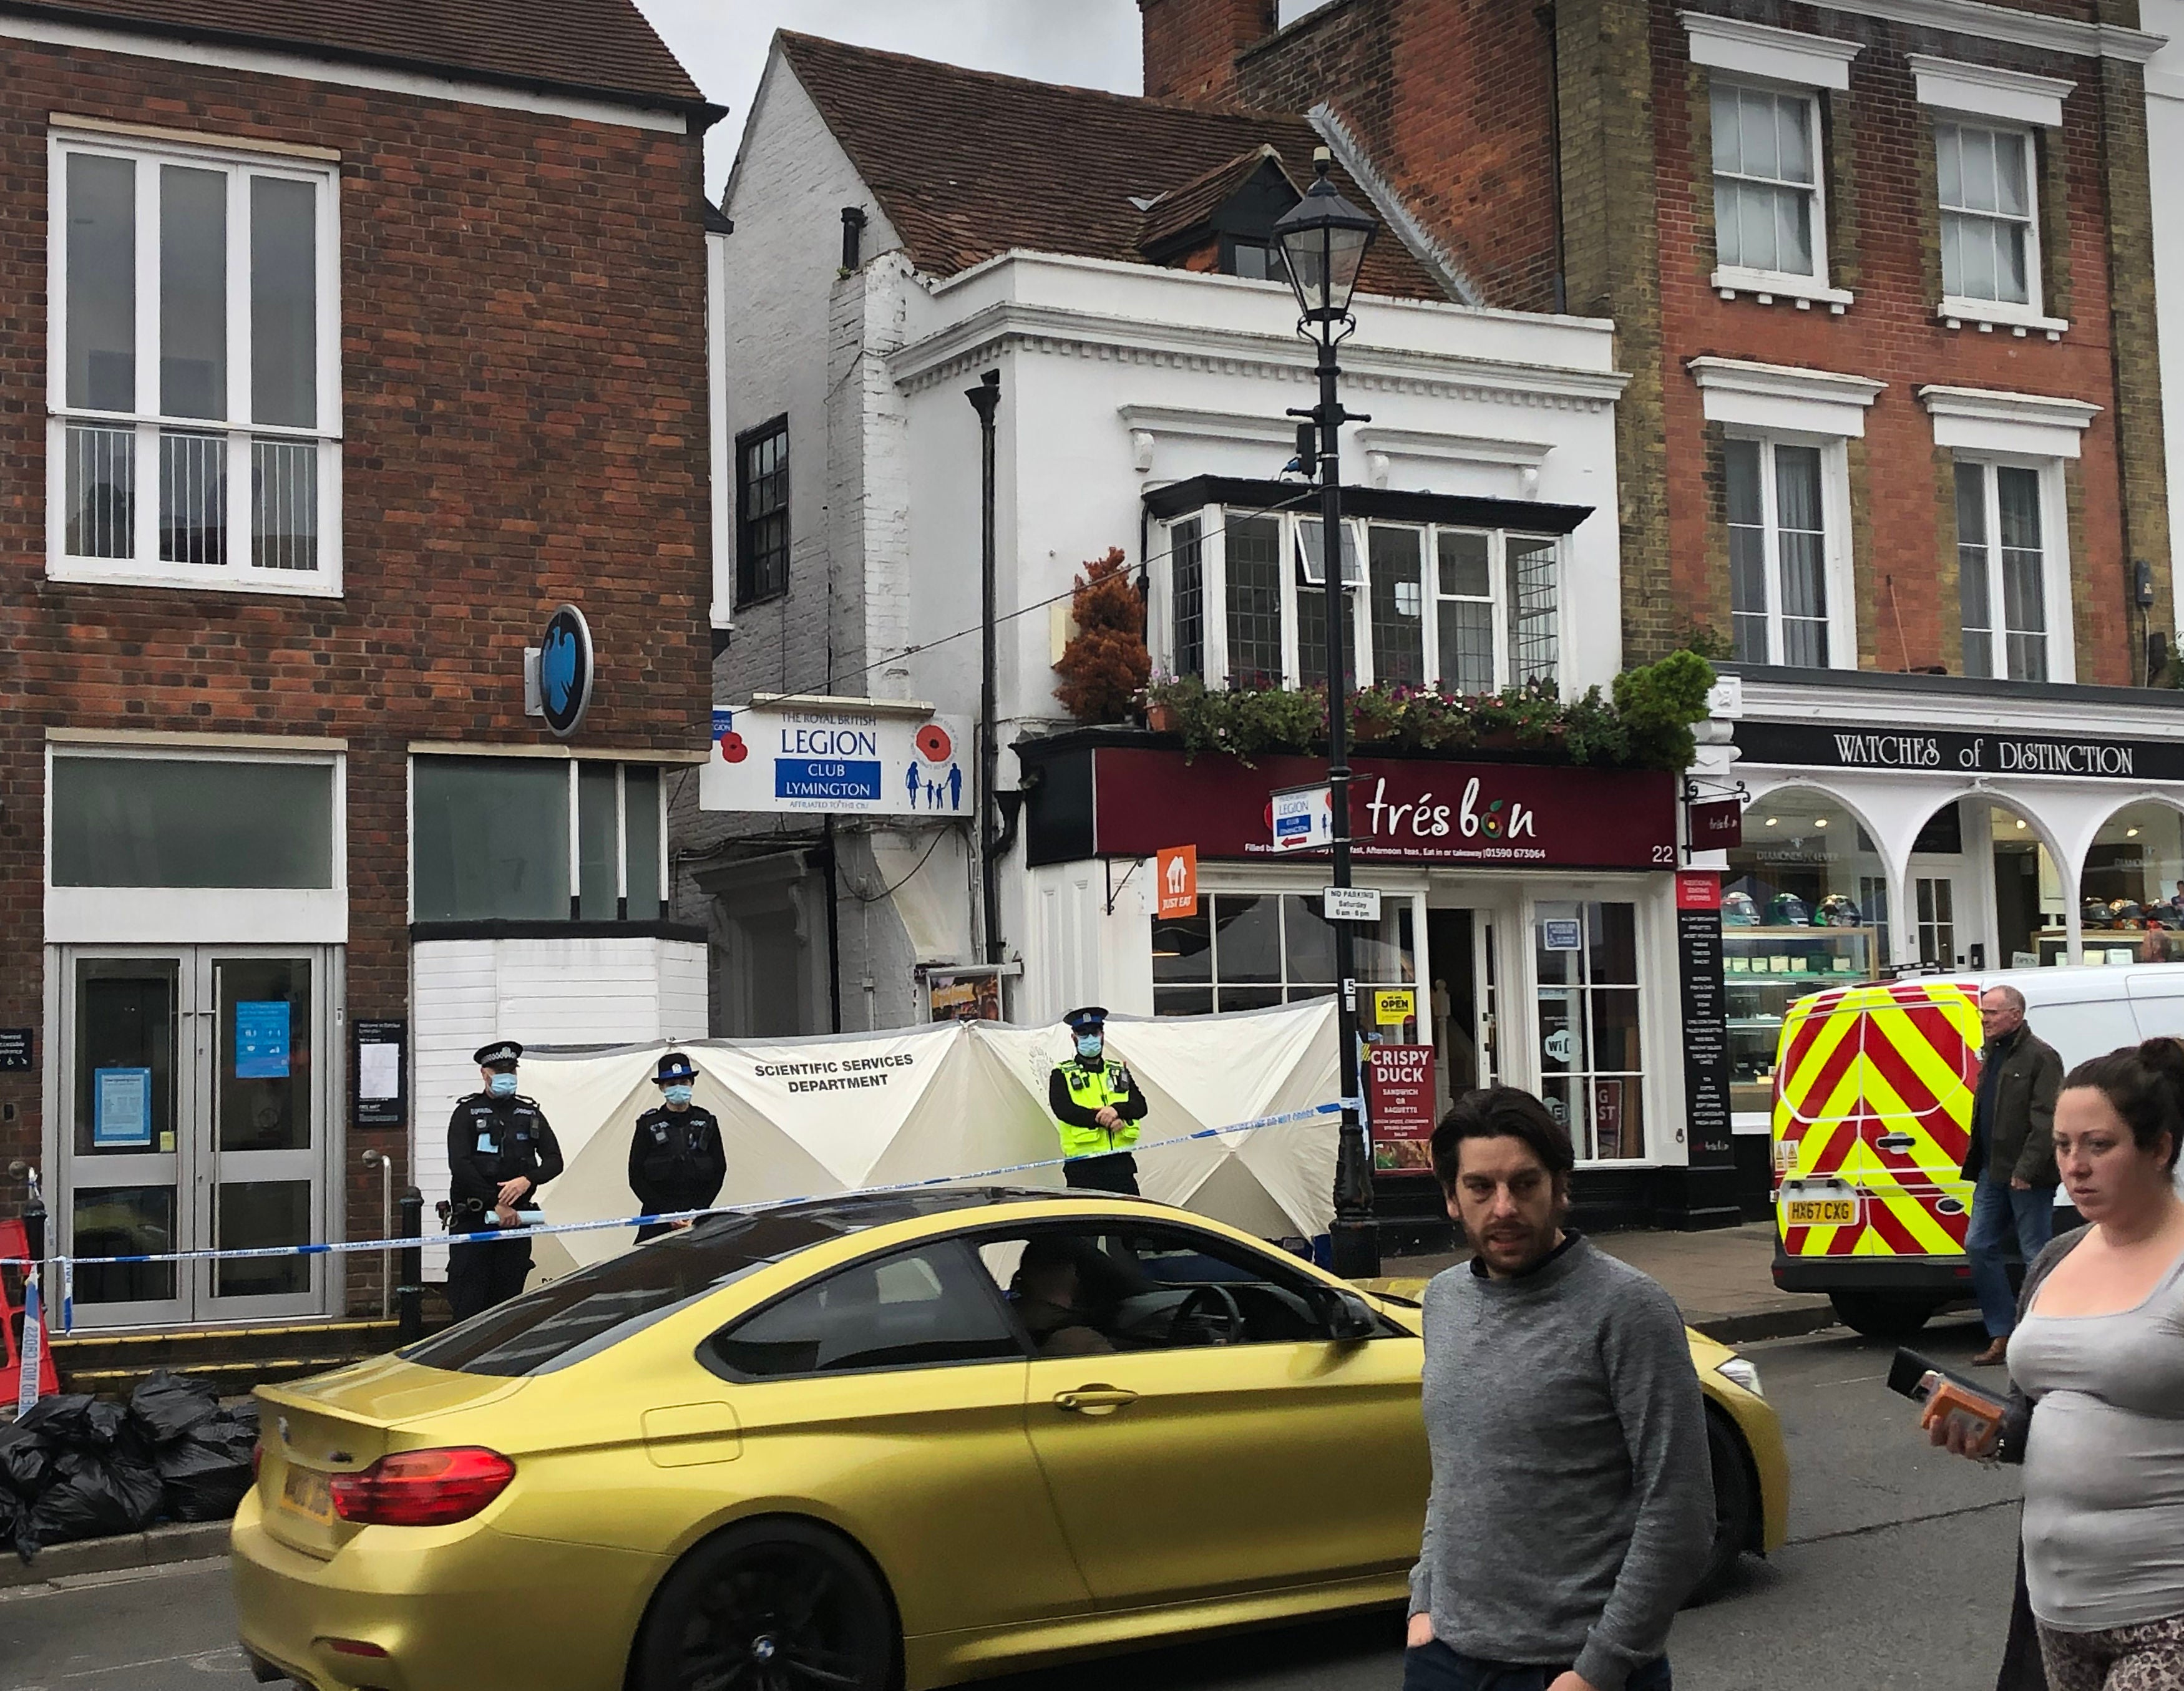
1354,1245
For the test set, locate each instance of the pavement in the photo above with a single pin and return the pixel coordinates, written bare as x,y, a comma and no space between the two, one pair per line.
1896,1576
1721,1279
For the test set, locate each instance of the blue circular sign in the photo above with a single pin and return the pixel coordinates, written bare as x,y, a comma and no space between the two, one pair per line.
565,670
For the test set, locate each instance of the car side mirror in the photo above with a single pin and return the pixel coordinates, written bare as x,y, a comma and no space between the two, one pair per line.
1346,1317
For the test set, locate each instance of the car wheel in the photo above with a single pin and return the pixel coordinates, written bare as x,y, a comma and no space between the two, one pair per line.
773,1605
1736,1504
1889,1316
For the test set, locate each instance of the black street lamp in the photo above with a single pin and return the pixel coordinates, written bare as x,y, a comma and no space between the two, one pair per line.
1324,239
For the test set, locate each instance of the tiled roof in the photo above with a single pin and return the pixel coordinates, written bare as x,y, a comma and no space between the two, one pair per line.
967,165
1185,208
599,47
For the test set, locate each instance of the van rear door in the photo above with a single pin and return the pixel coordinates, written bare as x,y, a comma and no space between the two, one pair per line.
1873,1111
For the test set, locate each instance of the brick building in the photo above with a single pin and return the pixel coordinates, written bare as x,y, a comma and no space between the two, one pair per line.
1881,274
344,346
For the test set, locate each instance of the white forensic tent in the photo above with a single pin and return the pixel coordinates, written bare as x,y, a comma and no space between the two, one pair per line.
811,1117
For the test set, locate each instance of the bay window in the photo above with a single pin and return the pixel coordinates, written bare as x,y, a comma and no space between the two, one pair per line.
1242,600
194,397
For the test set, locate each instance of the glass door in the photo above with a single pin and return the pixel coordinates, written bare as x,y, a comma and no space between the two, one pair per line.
195,1117
128,1061
262,1142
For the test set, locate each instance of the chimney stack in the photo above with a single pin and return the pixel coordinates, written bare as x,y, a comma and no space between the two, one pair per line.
1192,46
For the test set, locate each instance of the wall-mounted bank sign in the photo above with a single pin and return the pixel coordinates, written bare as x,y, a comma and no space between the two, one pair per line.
835,757
565,670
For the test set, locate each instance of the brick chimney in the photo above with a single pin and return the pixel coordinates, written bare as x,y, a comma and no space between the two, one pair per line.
1192,46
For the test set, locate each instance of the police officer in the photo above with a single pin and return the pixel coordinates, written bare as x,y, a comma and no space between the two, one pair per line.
676,1162
1096,1108
500,1151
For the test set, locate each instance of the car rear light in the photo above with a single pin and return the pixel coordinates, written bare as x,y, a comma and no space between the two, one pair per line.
422,1488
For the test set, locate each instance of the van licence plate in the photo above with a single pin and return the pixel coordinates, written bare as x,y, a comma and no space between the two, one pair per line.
1823,1212
308,1492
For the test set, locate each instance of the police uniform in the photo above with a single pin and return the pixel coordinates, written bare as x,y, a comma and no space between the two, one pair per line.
676,1162
491,1141
1100,1158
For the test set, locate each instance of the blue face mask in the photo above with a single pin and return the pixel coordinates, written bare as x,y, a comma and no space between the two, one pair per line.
502,1085
1088,1046
675,1094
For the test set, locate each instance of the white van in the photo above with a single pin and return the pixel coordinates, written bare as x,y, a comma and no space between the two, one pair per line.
1878,1228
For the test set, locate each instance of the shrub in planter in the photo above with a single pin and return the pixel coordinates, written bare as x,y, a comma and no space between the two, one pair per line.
1657,704
1106,666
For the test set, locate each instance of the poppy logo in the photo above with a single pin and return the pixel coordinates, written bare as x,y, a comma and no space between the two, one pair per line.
733,748
933,744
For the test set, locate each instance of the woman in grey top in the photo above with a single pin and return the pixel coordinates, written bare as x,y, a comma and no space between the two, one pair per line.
2097,1367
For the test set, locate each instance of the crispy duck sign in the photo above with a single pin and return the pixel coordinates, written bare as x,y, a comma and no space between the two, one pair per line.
1411,810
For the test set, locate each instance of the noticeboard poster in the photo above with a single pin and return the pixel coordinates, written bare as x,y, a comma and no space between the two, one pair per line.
1399,1090
964,997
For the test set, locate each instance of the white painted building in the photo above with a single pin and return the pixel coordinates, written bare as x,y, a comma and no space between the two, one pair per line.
904,233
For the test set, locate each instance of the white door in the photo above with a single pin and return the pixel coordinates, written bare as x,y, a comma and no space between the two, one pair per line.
194,1111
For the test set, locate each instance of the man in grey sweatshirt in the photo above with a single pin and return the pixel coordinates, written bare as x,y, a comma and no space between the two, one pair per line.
1572,1503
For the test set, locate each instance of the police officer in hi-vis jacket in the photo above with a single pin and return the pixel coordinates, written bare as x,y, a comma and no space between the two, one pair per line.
676,1162
1097,1107
500,1151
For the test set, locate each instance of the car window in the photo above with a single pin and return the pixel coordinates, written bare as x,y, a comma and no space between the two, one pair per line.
1095,1287
560,1324
915,1309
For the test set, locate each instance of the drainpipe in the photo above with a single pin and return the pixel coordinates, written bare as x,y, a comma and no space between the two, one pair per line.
1546,15
985,399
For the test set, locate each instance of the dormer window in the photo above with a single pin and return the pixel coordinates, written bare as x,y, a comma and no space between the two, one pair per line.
1253,260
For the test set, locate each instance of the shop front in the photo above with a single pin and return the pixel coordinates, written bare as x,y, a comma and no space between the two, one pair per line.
1889,828
1527,934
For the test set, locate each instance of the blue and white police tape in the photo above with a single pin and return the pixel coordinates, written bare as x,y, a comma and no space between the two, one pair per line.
483,1235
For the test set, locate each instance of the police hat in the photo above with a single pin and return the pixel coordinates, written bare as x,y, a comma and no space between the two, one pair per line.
501,1053
675,1066
1090,1019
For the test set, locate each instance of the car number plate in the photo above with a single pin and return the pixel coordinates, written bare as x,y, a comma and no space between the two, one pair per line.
1823,1212
308,1492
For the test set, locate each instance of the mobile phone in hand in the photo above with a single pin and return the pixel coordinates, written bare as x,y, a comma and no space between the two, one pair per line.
1950,1399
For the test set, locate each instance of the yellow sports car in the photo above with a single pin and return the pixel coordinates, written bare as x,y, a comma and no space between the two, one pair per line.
862,1443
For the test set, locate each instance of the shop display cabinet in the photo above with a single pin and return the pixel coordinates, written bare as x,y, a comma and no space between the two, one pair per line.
1765,971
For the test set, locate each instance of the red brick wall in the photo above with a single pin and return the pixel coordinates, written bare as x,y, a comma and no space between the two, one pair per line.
1192,46
524,406
1889,334
1450,98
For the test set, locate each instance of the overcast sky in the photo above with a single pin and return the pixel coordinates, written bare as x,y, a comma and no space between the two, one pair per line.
722,42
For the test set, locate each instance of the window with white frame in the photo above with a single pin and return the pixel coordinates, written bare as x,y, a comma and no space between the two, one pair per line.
195,392
1472,610
1989,214
1768,216
2002,570
1778,552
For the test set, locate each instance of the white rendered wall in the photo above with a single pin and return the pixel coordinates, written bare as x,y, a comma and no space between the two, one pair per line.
465,993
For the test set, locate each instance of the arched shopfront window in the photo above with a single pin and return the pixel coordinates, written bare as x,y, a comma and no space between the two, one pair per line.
2029,893
1804,905
2132,890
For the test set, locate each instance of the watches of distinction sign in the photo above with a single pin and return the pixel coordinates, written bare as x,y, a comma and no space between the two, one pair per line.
833,758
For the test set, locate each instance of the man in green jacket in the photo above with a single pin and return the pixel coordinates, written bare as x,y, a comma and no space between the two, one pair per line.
1097,1107
2011,1159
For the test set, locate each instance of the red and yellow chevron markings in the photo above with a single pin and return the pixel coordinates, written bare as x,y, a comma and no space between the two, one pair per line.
1874,1086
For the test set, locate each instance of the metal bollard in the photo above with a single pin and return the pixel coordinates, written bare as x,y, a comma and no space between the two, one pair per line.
409,1295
